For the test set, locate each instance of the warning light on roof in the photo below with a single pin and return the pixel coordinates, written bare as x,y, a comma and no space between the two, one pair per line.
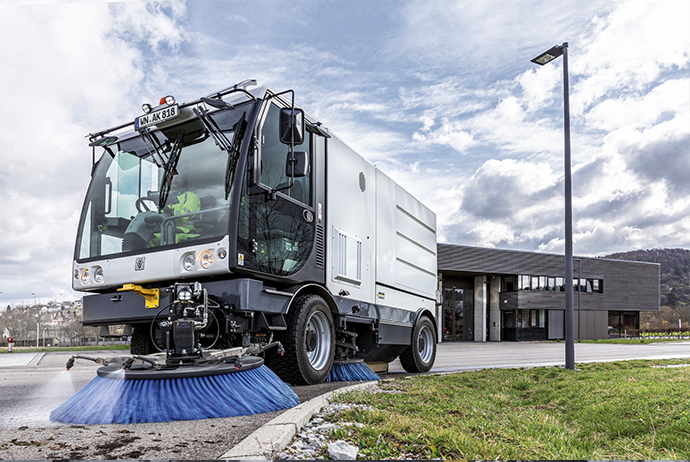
169,100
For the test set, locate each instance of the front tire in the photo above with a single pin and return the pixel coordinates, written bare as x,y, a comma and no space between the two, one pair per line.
421,354
309,343
141,343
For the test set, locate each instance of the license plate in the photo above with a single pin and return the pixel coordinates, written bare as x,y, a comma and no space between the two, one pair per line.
158,116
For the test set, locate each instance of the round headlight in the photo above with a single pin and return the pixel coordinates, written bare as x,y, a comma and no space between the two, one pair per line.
188,262
98,275
206,259
85,279
222,253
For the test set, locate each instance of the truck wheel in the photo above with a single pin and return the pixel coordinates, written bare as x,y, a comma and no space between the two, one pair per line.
421,354
141,342
309,342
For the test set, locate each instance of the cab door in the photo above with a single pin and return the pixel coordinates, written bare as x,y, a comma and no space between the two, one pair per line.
277,215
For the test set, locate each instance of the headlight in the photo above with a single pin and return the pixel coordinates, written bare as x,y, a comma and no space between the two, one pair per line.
98,275
206,259
222,253
188,262
85,279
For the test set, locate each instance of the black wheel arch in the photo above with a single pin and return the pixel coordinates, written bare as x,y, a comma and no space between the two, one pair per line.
425,312
314,289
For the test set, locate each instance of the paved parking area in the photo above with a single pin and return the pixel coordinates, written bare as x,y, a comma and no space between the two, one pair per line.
458,356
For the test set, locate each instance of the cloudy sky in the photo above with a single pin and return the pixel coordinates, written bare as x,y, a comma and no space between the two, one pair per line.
439,94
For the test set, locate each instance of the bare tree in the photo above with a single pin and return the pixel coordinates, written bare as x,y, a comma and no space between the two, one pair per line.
21,322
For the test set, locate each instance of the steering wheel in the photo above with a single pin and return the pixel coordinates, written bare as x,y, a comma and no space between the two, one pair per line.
141,204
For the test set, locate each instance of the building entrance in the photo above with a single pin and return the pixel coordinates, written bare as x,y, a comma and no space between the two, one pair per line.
458,314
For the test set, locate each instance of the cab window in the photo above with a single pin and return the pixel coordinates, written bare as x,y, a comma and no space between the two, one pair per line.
274,155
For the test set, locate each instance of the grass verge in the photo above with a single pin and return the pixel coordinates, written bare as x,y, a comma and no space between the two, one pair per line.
621,410
634,341
54,349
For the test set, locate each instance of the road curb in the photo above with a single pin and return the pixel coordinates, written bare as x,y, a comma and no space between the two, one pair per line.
273,436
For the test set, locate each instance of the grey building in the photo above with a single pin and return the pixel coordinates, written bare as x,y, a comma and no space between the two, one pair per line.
495,295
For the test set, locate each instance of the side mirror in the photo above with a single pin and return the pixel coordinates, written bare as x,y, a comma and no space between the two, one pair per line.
289,125
297,167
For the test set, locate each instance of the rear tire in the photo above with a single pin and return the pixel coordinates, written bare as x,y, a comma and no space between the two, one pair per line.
309,343
421,354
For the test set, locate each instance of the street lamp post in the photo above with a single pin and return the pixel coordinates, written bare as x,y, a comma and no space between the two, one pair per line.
544,58
579,292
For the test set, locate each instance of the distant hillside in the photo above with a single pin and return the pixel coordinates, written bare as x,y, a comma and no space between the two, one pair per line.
675,272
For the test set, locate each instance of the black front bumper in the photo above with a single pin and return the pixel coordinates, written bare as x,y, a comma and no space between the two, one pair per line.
129,308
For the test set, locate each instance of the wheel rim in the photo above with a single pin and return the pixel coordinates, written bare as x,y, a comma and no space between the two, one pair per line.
318,340
425,340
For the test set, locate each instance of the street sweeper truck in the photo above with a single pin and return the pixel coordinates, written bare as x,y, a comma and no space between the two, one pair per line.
238,221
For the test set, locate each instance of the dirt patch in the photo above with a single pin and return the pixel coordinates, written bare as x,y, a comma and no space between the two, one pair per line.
117,443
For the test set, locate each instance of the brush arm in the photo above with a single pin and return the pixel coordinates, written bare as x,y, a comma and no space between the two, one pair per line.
102,361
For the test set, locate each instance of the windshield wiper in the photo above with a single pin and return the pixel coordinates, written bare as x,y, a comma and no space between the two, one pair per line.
154,147
234,153
233,149
170,167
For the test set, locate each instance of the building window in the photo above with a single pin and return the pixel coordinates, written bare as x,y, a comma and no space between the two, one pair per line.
530,325
623,323
595,286
509,284
551,284
536,318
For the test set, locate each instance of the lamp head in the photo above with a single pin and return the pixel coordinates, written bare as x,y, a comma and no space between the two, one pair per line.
549,55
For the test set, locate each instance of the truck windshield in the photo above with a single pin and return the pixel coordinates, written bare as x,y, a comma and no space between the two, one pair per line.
123,212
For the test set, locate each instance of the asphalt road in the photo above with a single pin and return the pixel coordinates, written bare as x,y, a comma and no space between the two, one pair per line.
31,385
477,355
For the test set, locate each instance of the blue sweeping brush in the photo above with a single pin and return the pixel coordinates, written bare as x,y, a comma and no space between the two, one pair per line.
351,371
189,392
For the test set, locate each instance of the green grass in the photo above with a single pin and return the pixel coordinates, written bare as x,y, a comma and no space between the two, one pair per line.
633,341
620,410
53,349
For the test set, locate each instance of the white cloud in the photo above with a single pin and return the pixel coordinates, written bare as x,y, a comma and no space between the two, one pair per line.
237,18
70,69
668,99
540,86
488,35
630,48
449,134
